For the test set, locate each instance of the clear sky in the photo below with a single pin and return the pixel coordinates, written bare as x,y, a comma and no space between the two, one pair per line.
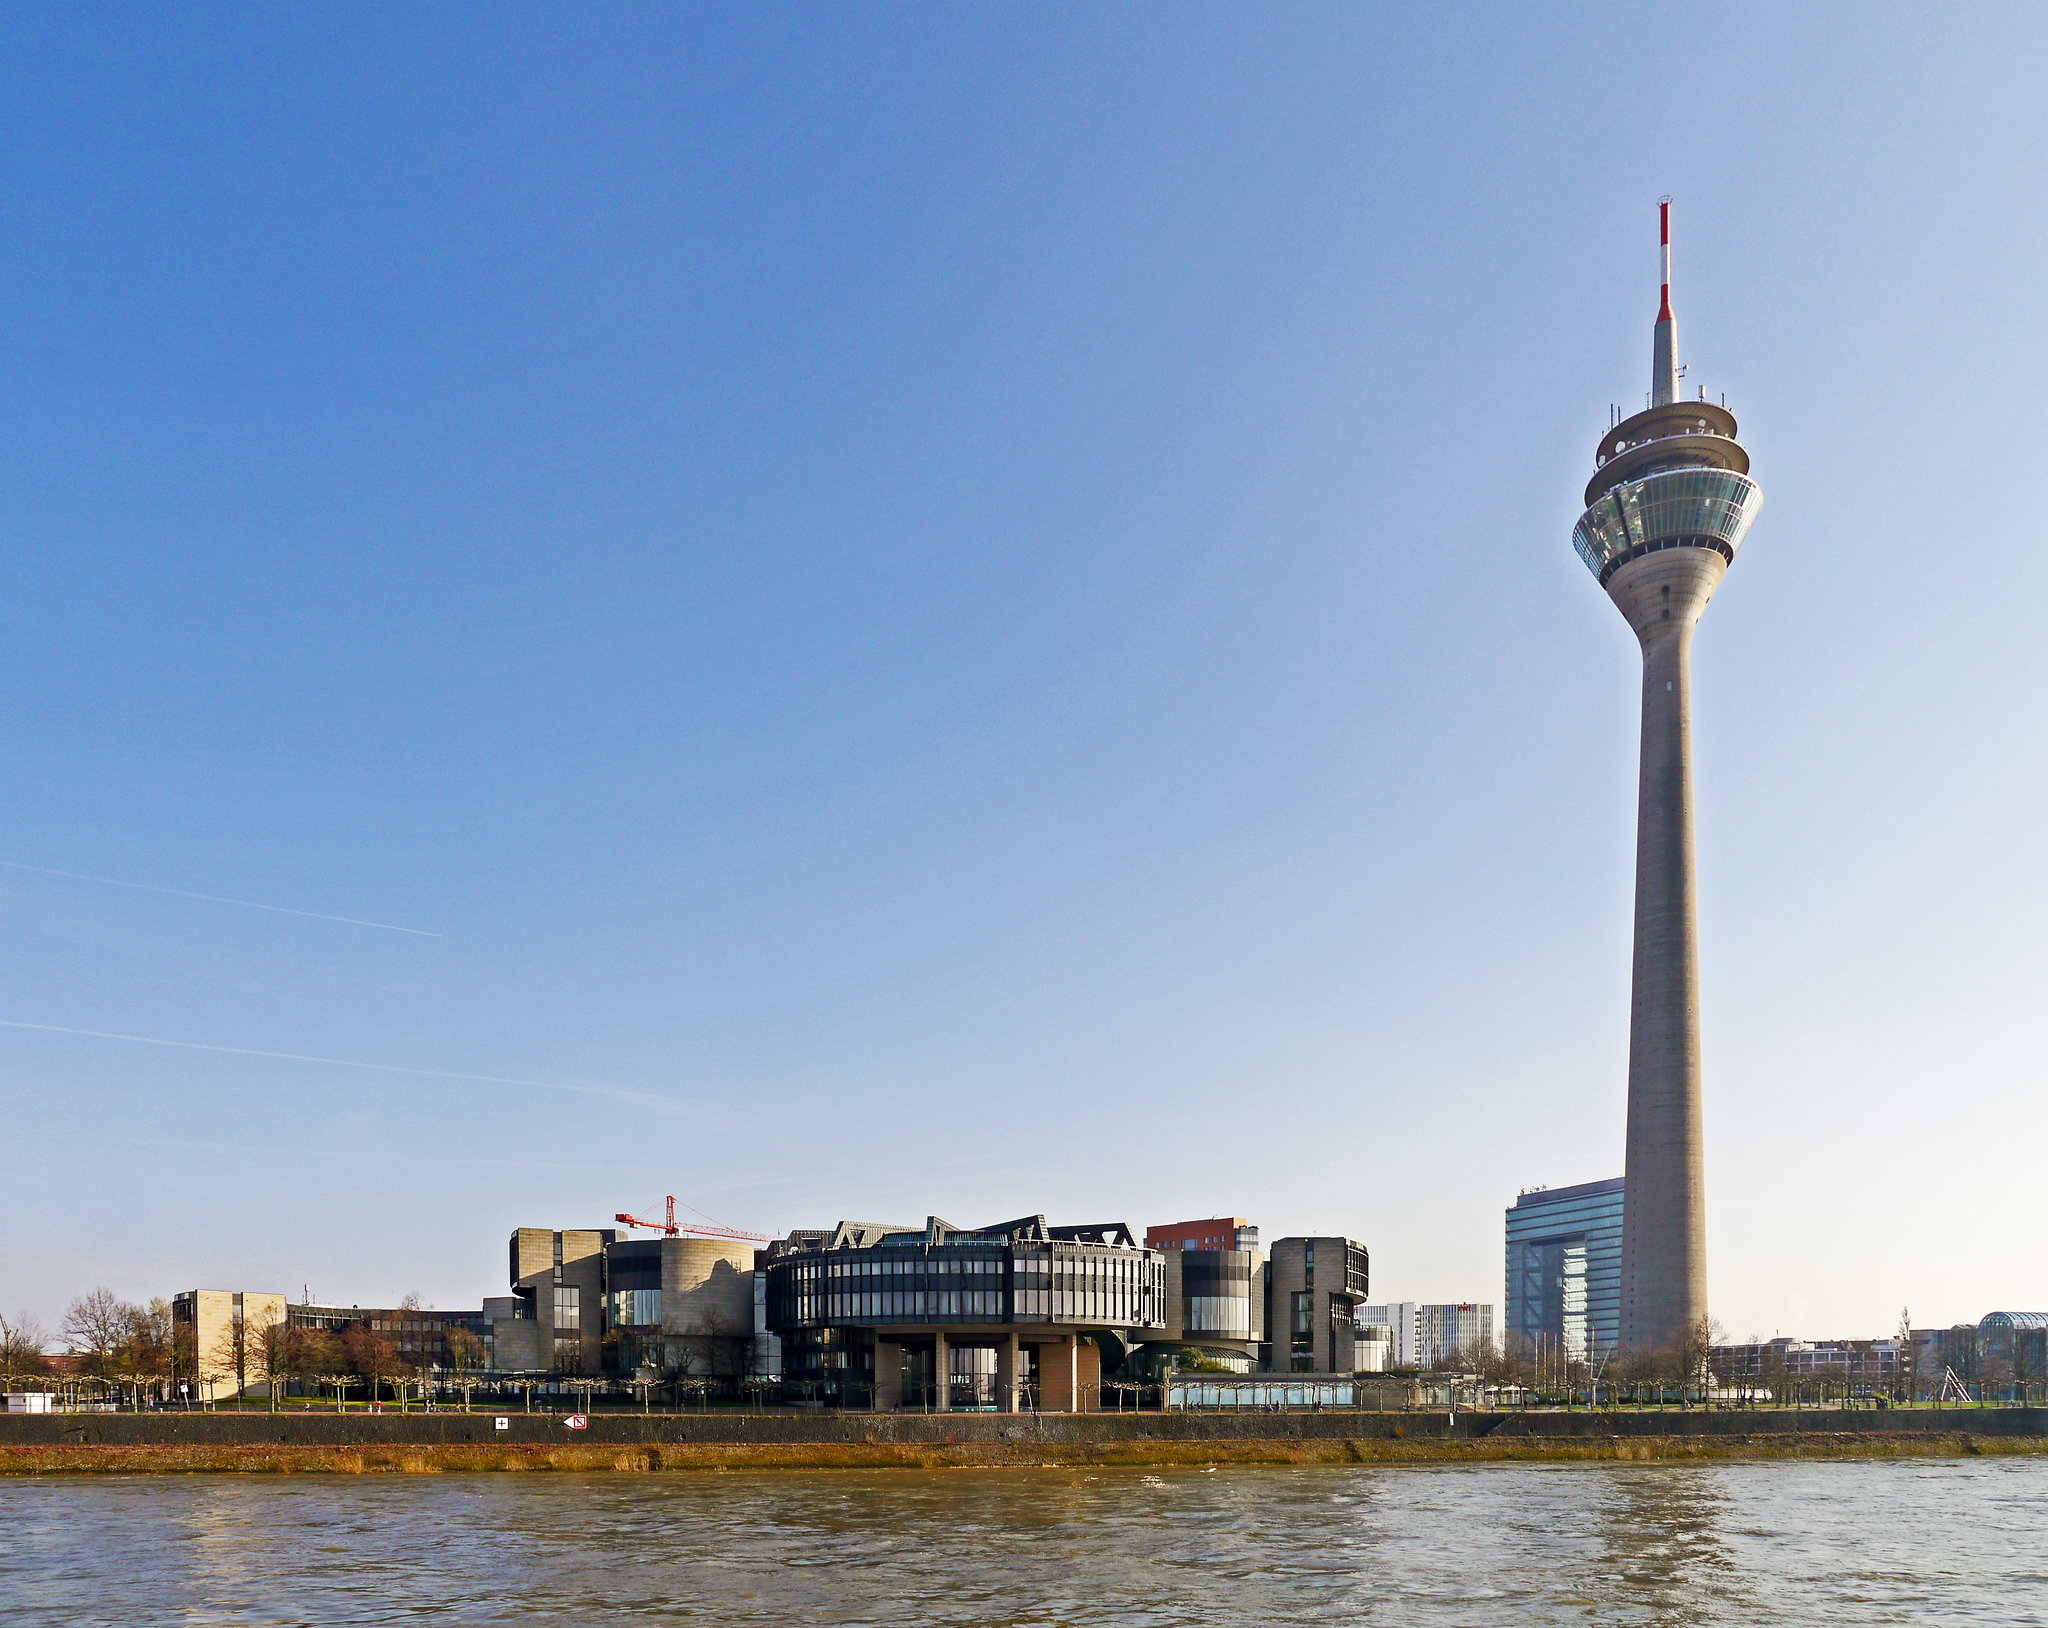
970,610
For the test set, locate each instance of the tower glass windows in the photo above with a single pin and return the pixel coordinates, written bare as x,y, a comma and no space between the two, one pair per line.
1705,506
1564,1270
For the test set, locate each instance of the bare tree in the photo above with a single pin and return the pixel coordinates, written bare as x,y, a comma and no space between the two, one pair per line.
97,1326
153,1346
22,1340
270,1344
1692,1354
1640,1366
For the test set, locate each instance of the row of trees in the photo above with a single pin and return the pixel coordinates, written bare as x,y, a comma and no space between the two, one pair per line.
141,1351
1688,1365
119,1345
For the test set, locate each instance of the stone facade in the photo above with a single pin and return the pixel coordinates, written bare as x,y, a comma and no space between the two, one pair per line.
707,1303
559,1276
1313,1289
226,1326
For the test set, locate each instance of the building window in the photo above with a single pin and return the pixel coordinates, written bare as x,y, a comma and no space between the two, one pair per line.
568,1309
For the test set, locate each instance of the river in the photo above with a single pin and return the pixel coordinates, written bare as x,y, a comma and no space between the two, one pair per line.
1921,1541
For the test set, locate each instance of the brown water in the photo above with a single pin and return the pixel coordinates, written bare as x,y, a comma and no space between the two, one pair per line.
1918,1541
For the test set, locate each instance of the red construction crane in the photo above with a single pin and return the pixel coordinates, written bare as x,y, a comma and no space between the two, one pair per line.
671,1228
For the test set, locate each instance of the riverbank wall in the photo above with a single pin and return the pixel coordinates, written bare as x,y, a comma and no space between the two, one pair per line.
428,1443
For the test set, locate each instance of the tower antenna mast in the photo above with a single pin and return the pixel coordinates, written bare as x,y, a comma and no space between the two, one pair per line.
1664,348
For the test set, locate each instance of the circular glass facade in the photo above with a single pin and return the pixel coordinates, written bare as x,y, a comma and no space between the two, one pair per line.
967,1279
1675,508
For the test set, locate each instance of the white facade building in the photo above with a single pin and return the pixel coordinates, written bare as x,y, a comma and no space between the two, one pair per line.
1402,1319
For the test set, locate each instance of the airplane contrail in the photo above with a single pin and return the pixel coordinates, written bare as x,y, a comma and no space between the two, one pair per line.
618,1092
215,898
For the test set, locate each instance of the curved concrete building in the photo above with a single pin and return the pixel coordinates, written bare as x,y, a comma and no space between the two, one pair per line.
1666,511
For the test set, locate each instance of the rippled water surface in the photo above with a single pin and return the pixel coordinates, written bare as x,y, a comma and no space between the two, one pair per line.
1847,1543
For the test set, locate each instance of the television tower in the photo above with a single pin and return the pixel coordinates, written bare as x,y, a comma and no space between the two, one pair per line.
1667,507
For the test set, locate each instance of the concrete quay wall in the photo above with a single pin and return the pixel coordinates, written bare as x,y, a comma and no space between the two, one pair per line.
797,1430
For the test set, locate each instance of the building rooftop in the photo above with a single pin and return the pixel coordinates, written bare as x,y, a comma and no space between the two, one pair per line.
1554,1195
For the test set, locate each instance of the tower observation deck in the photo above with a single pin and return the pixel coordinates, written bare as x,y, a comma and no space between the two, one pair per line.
1666,511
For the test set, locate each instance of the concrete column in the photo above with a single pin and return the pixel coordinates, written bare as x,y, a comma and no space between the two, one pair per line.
1664,1212
888,1375
1073,1373
1006,1373
941,1376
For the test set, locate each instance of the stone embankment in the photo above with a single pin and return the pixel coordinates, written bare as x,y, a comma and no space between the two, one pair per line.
424,1443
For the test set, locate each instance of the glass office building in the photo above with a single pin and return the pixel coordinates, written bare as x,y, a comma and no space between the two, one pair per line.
947,1316
1564,1270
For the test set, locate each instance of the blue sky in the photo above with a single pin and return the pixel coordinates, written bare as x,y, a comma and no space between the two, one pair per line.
969,610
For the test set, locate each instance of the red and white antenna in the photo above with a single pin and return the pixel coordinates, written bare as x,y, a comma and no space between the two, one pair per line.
1664,351
1664,243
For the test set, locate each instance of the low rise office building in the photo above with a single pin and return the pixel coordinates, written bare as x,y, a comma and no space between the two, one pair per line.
225,1330
420,1337
1859,1363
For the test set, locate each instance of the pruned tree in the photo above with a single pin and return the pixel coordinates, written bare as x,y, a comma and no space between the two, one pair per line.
466,1355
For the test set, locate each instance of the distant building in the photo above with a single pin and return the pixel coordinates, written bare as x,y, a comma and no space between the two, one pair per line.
2003,1356
1313,1289
1401,1320
418,1336
590,1302
1215,1303
942,1317
2012,1347
1564,1270
1865,1363
1222,1232
224,1326
1443,1332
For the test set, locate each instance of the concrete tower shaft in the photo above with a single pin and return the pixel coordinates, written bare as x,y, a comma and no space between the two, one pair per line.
1668,507
1664,1212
